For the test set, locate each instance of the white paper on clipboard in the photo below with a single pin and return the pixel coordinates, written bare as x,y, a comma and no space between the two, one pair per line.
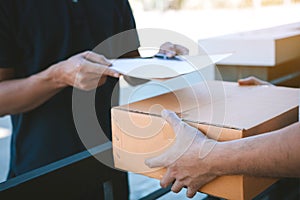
156,68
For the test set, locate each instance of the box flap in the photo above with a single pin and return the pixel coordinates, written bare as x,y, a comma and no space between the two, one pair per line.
181,100
222,104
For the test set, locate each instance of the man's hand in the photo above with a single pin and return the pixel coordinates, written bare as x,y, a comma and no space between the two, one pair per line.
85,71
251,80
172,50
186,165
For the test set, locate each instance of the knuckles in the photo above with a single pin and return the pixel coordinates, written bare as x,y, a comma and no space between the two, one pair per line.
76,71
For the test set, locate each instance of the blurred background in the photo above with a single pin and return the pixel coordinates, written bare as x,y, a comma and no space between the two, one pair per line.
206,18
211,4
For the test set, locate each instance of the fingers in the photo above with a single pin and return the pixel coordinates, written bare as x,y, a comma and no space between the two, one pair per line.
181,50
185,135
90,75
98,69
167,179
111,72
84,71
252,81
168,48
154,162
190,193
158,161
247,81
171,50
177,186
99,63
96,58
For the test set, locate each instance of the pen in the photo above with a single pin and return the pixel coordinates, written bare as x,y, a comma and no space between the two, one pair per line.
165,57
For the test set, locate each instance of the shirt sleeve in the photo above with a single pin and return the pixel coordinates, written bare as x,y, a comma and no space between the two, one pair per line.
7,41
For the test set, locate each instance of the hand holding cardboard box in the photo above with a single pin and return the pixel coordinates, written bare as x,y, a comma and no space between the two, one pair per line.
139,132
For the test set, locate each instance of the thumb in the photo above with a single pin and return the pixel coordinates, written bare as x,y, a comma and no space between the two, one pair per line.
247,81
111,72
171,118
158,161
162,159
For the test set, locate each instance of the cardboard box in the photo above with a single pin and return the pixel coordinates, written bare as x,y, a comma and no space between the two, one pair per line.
271,54
265,47
222,110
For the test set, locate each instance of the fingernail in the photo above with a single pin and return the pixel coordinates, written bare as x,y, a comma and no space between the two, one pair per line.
164,113
116,75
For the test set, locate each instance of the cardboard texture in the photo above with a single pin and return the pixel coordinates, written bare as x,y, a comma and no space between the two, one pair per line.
222,110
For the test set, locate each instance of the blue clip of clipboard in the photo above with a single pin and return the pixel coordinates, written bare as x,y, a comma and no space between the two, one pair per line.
165,57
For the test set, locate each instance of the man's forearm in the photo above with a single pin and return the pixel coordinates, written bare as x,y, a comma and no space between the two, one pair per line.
21,95
274,154
84,71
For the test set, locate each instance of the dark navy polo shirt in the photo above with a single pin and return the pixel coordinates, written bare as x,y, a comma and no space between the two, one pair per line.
35,34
